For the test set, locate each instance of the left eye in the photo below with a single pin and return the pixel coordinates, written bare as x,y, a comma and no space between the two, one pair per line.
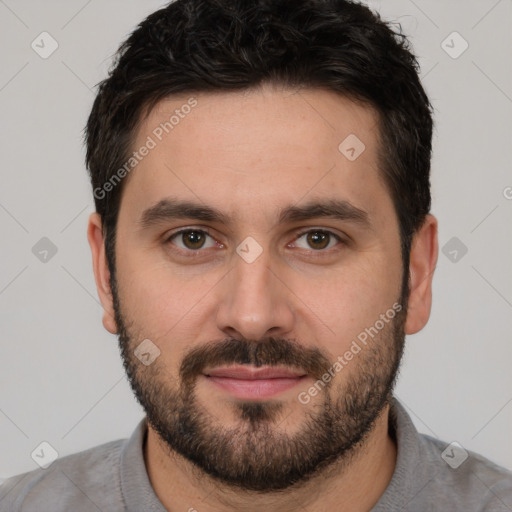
319,239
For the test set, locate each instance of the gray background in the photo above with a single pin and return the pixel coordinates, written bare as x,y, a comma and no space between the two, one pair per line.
61,378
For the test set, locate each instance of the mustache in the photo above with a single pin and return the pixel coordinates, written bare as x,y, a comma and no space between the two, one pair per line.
267,352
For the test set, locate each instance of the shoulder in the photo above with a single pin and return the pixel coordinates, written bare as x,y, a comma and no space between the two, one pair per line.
431,474
468,477
82,481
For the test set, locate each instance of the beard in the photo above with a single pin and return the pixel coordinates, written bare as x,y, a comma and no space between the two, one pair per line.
255,455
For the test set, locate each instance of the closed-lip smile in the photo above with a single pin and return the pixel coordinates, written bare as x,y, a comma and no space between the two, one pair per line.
254,383
254,373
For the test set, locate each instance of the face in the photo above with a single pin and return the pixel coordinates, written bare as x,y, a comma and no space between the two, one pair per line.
263,264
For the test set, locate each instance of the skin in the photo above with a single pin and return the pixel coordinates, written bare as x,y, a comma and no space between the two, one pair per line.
250,154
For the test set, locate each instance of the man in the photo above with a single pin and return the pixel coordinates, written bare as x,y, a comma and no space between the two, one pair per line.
262,244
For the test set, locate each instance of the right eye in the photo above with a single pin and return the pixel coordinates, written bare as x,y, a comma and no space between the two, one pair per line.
191,240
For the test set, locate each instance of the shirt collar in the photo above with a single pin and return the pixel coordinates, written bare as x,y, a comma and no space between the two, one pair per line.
136,488
411,472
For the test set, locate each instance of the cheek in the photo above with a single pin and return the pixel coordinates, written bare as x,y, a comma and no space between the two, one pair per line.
146,297
349,300
162,304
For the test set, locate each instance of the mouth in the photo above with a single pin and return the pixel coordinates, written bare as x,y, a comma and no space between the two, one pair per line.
251,383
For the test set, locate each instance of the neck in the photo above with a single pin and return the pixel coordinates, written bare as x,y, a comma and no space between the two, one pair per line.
355,484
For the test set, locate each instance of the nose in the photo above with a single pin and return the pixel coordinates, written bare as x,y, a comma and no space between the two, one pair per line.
254,300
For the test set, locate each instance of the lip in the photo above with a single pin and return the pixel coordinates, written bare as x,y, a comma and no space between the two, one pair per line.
251,383
253,373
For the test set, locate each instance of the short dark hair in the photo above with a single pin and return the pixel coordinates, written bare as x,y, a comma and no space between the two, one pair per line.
195,46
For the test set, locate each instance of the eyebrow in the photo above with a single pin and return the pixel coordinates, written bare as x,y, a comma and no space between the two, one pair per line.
172,208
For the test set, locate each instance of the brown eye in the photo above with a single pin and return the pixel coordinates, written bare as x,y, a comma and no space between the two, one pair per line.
318,239
191,239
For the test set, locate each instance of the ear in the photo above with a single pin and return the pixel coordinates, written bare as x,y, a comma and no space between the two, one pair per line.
101,272
423,260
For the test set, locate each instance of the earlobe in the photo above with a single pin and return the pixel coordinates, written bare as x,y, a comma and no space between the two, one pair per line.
101,271
423,260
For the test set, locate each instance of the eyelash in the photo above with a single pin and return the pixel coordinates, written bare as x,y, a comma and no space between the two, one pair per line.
197,252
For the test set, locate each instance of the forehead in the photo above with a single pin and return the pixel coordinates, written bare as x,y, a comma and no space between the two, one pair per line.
264,146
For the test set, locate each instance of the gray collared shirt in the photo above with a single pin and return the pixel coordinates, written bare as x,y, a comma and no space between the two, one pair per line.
430,475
